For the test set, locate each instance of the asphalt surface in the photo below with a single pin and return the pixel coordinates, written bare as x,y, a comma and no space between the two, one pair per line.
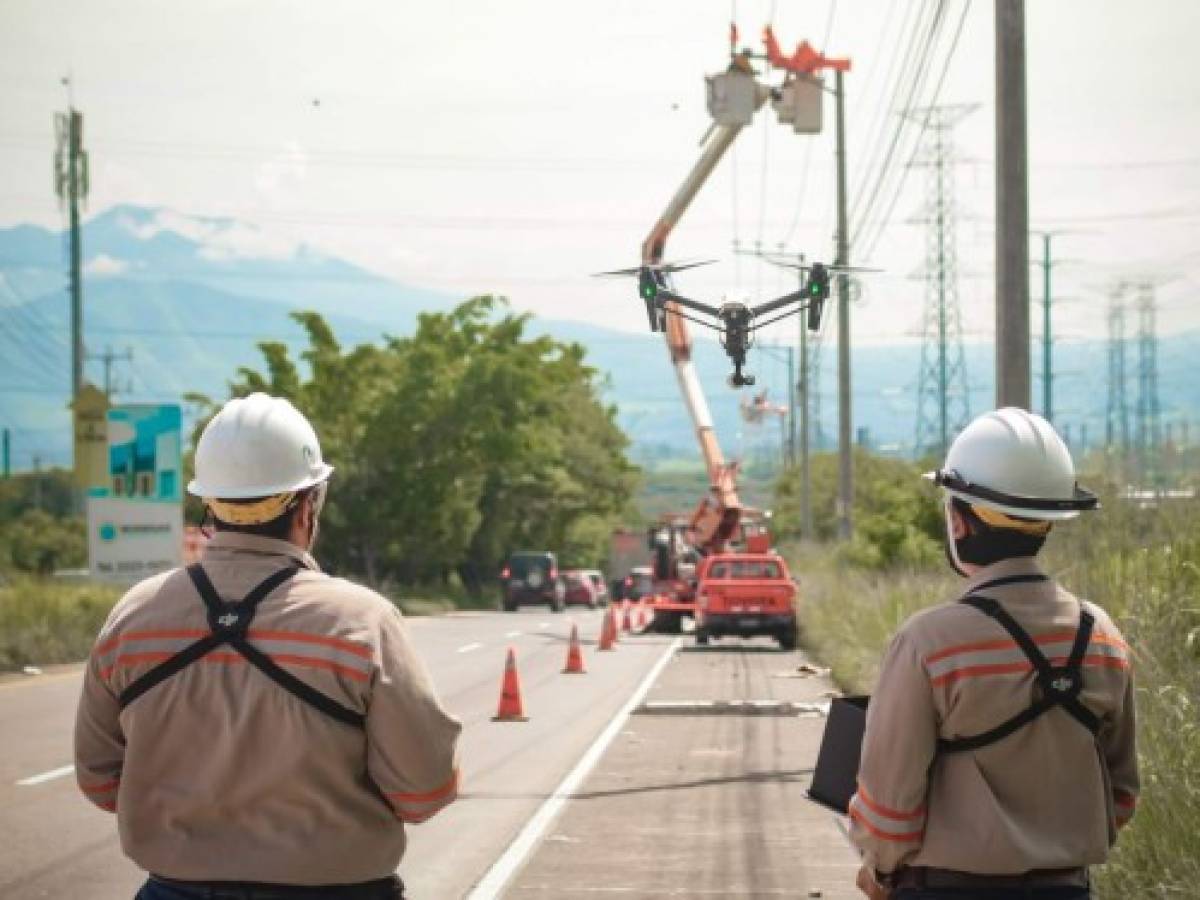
57,845
702,794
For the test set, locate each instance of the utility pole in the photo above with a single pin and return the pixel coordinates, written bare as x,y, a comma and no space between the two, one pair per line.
1149,412
1047,264
71,185
806,521
943,402
845,453
109,358
1116,423
1012,209
7,453
37,481
791,406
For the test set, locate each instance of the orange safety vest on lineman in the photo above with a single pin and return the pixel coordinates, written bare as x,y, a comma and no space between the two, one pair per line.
1048,795
221,773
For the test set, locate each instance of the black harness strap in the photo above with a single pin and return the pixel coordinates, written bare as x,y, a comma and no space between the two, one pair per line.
1060,685
229,624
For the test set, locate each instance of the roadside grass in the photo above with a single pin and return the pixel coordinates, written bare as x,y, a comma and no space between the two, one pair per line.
44,621
1143,566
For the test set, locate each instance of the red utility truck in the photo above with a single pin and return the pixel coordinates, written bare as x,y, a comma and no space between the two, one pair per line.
744,595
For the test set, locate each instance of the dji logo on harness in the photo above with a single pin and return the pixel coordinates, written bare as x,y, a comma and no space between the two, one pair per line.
228,620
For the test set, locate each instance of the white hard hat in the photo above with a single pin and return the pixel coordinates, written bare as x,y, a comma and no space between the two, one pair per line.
1014,462
257,446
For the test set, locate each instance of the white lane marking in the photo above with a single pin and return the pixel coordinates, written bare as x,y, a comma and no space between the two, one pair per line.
467,648
543,625
505,867
46,776
513,634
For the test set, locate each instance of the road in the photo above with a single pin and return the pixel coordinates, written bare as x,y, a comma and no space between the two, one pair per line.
56,843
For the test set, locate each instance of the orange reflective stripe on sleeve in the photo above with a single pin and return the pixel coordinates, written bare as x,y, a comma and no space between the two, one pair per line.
913,815
440,793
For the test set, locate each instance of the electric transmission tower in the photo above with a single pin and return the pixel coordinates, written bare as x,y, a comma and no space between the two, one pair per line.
1149,413
943,405
1116,423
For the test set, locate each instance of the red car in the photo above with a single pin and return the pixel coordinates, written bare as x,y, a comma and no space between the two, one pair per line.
581,589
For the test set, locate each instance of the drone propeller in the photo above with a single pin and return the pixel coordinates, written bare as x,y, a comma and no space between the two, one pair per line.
668,268
800,267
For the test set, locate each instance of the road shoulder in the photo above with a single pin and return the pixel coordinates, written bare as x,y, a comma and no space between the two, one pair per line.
693,800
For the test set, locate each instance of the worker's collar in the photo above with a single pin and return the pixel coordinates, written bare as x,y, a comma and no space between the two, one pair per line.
235,542
1006,568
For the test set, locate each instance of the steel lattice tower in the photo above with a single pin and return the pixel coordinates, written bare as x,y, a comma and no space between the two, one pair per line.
943,404
1149,413
1116,424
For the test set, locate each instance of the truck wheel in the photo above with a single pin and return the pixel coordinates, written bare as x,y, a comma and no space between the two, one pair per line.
701,637
787,639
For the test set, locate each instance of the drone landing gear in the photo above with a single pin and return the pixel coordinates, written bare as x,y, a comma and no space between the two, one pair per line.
737,379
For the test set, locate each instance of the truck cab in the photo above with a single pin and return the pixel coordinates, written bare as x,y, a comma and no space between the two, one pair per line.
744,595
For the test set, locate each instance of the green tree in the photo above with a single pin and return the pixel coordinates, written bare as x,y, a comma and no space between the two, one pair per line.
455,445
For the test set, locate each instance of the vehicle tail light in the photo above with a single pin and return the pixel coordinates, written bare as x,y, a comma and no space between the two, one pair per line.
553,573
506,573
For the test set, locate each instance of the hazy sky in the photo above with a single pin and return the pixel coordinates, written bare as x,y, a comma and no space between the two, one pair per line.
516,147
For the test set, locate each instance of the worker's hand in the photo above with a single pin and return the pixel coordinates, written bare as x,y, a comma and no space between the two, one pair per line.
868,885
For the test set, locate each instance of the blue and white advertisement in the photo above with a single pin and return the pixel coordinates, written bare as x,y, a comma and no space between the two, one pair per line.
135,522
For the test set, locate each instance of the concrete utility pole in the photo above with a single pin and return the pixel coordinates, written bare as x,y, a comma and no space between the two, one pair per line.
845,420
7,453
1012,209
791,406
71,185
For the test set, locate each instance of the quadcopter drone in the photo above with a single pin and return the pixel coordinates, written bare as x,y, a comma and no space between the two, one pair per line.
735,321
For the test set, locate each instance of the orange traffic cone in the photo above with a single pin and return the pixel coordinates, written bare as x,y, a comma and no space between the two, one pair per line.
608,631
626,619
574,655
511,709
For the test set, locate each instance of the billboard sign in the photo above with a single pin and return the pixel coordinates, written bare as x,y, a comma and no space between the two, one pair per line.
135,521
129,540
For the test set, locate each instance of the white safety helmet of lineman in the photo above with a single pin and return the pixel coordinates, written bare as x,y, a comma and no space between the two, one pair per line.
257,446
1014,462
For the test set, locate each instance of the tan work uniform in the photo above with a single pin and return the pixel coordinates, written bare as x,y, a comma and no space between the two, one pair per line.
1048,796
219,774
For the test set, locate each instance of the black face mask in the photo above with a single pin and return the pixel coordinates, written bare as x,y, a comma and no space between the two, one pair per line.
984,545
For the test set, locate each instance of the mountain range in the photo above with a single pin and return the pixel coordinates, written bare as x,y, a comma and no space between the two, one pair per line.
188,298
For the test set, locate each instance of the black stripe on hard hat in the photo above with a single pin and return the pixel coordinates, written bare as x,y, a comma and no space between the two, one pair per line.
1083,499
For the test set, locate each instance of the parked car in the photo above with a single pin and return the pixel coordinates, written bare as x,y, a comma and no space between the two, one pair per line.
745,594
532,576
581,590
597,577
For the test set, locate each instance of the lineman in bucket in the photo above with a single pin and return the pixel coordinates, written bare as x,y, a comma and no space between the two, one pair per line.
998,759
261,730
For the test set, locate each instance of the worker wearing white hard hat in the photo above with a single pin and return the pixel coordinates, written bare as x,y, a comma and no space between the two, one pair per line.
260,729
999,756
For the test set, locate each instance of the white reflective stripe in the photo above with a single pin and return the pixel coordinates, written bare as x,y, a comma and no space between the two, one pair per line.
693,395
1053,650
908,828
